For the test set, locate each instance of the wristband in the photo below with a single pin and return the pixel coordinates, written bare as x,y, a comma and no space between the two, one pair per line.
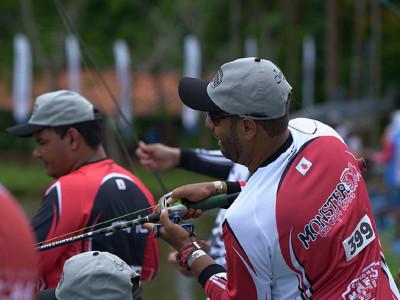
226,187
218,187
193,256
182,256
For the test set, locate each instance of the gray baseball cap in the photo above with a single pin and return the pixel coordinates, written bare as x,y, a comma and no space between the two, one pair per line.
96,275
247,86
55,109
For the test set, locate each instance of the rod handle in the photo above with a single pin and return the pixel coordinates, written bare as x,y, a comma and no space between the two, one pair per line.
218,201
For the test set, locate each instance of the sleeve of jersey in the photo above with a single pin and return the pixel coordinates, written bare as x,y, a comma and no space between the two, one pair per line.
47,225
207,162
44,224
213,279
216,286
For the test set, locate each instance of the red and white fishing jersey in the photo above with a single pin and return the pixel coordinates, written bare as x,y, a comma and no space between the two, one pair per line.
18,259
302,227
98,193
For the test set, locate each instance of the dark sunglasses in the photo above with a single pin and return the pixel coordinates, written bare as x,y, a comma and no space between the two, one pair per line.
214,117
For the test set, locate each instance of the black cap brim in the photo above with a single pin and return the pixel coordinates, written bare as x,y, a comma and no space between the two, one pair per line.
49,294
193,93
24,130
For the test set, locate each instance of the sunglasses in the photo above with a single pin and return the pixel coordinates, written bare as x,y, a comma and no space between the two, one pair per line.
214,117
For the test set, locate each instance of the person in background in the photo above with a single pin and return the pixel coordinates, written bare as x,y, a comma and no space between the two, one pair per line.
347,130
89,188
302,226
348,133
158,157
389,157
18,258
95,275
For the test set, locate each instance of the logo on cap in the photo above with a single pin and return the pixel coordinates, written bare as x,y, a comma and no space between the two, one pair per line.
217,79
279,76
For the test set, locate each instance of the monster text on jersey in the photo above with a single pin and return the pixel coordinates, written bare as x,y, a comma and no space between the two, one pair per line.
332,209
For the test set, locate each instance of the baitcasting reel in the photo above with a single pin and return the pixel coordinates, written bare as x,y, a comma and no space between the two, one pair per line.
176,212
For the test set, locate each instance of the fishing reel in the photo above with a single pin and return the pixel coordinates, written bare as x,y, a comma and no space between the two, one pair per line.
176,212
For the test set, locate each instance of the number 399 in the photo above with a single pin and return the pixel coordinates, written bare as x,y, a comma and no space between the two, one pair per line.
365,232
362,235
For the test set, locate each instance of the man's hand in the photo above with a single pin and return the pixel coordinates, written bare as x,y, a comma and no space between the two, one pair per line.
173,234
193,193
158,157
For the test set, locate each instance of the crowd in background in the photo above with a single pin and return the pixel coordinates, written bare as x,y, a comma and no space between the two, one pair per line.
383,167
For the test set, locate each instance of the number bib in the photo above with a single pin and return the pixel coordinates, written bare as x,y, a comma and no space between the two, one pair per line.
362,235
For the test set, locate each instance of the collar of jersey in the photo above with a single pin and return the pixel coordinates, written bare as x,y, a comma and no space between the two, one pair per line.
93,161
278,152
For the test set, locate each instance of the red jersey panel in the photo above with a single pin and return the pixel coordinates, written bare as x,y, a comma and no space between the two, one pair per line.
96,193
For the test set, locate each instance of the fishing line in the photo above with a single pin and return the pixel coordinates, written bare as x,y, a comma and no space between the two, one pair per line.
176,212
311,117
71,28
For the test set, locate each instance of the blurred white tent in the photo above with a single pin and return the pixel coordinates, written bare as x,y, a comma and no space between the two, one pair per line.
251,46
22,79
123,71
309,57
192,68
73,63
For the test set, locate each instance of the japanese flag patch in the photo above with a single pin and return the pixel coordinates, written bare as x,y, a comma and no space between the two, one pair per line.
303,166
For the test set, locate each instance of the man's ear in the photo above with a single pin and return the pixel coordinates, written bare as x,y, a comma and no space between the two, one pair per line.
249,128
75,138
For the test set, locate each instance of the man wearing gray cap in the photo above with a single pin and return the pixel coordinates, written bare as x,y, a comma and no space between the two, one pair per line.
302,226
95,275
89,189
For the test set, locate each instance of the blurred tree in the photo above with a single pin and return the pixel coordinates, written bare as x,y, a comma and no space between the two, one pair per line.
43,30
357,48
332,49
376,40
155,29
292,41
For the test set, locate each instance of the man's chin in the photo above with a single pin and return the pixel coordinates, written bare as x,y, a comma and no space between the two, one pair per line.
227,154
51,174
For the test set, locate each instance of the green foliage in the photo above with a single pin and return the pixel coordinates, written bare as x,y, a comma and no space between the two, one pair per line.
9,142
154,31
390,48
25,178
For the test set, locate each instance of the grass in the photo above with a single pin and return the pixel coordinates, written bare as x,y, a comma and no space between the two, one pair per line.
27,180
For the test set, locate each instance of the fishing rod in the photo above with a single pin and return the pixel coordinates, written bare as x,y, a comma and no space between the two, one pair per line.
176,212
